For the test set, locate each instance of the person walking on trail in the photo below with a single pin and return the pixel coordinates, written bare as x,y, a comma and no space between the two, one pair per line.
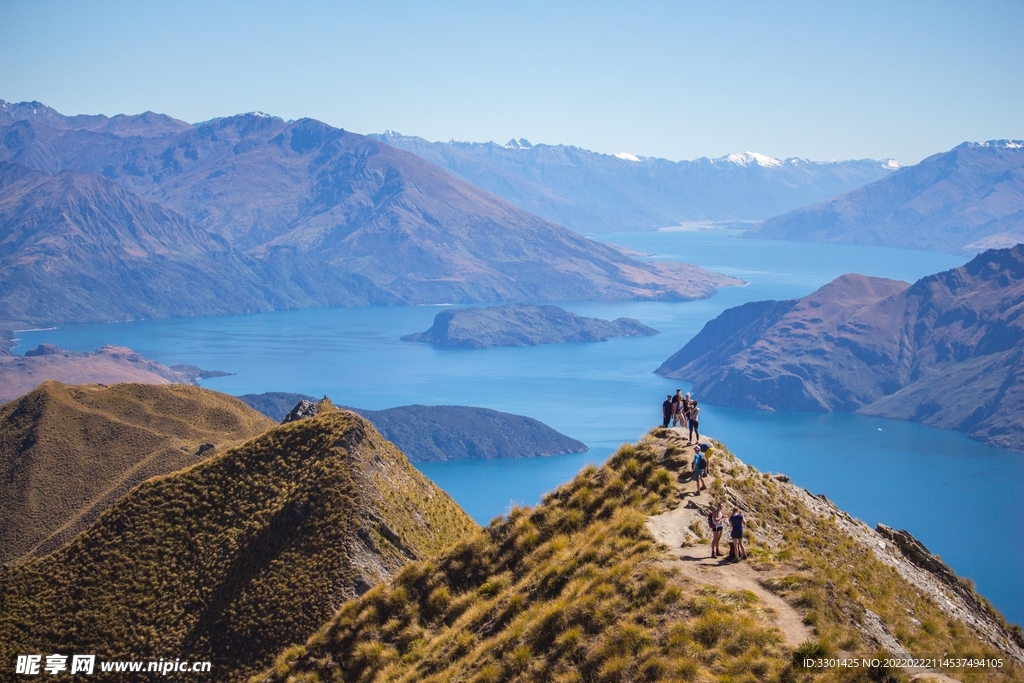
699,465
736,550
677,408
707,449
666,411
716,520
693,419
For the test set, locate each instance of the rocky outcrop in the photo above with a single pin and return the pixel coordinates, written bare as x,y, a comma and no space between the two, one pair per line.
302,410
107,365
522,325
947,351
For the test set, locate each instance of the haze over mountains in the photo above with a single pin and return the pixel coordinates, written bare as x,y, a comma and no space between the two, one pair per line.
947,351
593,193
252,213
966,200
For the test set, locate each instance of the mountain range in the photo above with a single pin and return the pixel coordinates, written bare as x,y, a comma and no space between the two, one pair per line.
592,193
947,351
235,558
966,200
251,212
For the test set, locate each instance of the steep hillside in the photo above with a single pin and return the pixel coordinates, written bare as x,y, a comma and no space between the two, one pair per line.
431,433
69,452
968,199
592,193
522,325
327,217
76,247
106,365
235,558
947,351
583,588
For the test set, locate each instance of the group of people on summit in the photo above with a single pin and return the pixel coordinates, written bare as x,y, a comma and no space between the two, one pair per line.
681,411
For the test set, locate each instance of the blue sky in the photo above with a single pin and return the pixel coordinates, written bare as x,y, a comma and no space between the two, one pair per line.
823,80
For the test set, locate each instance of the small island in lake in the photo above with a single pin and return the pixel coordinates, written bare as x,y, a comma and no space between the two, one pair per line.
522,325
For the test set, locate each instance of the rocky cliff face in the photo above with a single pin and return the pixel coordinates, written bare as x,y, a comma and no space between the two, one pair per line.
522,325
945,351
237,557
968,199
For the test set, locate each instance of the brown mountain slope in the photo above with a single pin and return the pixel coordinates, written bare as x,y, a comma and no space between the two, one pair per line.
69,452
945,351
237,557
76,246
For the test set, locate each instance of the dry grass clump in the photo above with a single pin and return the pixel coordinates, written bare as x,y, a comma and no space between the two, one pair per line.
236,558
572,590
68,452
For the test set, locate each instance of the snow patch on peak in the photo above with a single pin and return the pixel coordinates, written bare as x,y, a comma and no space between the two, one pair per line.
521,143
626,156
748,158
891,164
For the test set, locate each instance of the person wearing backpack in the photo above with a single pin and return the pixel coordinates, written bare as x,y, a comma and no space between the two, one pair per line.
699,463
716,520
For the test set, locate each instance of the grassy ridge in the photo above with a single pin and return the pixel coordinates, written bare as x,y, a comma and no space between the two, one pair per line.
67,452
235,558
577,590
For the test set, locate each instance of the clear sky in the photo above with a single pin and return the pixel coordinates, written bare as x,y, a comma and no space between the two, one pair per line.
819,79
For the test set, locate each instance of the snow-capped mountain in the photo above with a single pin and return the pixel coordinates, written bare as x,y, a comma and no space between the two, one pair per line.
591,192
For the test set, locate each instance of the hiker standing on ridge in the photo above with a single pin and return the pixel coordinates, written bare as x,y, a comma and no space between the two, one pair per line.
694,423
699,466
736,550
716,520
666,411
677,408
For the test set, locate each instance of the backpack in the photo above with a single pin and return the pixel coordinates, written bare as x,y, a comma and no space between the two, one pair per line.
698,462
711,520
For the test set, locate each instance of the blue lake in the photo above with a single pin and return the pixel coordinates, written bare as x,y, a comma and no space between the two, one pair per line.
962,499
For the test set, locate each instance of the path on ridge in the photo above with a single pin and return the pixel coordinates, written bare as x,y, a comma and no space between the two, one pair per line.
670,529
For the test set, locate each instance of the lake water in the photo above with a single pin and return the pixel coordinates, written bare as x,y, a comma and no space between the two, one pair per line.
962,499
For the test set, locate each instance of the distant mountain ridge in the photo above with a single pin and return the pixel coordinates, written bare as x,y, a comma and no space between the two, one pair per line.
435,433
947,351
592,193
966,200
292,214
